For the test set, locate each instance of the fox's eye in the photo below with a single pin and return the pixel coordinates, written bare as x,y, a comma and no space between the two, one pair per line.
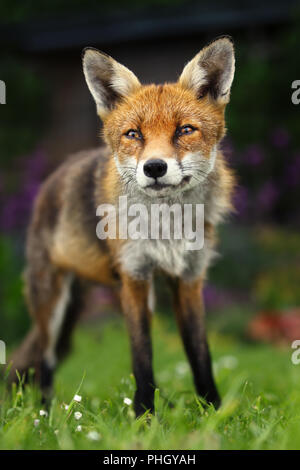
133,134
185,130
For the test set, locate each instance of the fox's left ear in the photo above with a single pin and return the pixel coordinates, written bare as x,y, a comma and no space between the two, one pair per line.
211,71
108,80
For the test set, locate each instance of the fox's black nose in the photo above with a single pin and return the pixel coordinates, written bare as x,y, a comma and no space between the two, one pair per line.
155,168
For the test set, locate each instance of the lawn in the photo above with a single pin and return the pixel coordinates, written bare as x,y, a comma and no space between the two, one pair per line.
258,383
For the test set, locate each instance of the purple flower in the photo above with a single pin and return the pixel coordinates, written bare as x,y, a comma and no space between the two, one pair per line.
267,196
35,166
292,175
215,297
280,138
16,207
254,155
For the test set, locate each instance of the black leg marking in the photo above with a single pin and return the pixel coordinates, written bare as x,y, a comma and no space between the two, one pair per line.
62,347
46,376
72,314
46,381
142,367
196,347
134,297
190,318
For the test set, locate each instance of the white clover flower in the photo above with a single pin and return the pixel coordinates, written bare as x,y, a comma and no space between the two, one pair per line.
78,428
127,401
182,368
230,362
94,436
66,407
77,398
225,362
36,422
77,415
44,413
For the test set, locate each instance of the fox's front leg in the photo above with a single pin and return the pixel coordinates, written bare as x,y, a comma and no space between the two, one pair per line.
134,297
190,318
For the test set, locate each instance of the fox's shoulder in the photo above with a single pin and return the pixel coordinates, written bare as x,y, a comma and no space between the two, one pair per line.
74,168
71,185
80,163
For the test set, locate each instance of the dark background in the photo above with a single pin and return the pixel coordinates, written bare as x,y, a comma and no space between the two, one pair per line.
49,113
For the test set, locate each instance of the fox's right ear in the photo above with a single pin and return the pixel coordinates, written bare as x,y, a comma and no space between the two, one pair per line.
107,79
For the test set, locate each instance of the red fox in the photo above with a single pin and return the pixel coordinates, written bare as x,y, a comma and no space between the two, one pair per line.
162,145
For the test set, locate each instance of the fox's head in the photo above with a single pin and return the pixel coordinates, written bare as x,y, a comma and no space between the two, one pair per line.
164,138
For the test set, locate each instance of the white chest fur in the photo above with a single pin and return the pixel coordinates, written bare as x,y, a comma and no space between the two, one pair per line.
141,257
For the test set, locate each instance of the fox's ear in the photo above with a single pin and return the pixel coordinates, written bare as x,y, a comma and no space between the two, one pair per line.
108,81
211,71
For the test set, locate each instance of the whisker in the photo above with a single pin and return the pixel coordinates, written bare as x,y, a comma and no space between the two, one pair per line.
196,170
129,168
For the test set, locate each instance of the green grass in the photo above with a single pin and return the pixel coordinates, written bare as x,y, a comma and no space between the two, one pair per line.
259,386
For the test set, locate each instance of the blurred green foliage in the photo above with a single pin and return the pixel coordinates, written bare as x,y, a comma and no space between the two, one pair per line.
263,127
277,284
263,262
23,115
14,319
261,92
22,120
